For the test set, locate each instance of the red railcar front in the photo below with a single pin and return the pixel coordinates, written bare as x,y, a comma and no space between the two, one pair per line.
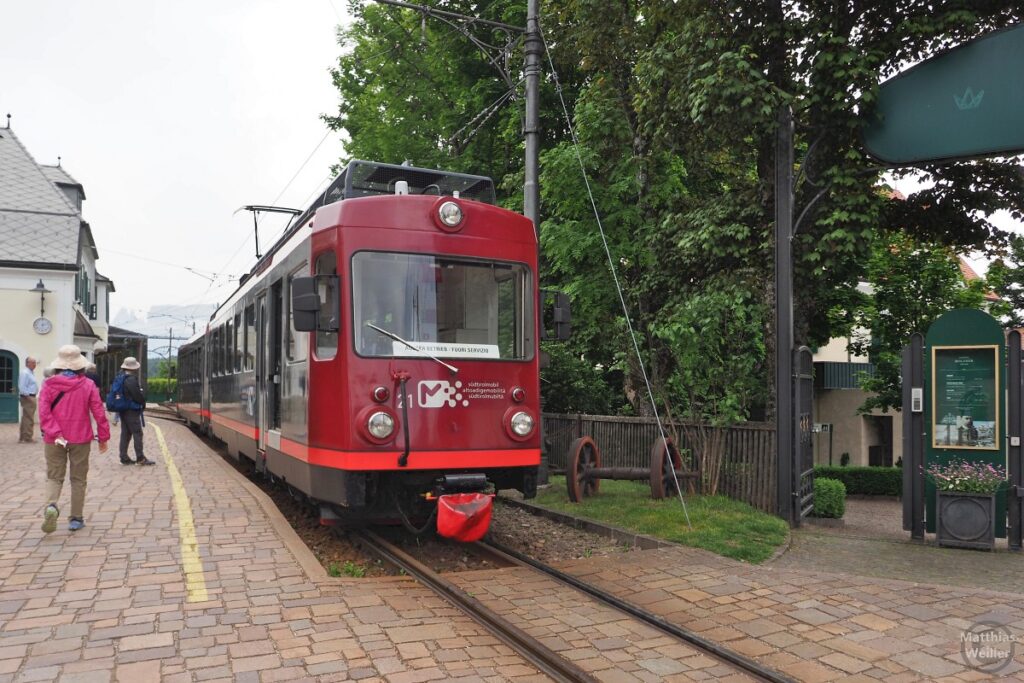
423,369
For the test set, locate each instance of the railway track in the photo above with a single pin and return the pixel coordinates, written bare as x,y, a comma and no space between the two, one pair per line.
546,660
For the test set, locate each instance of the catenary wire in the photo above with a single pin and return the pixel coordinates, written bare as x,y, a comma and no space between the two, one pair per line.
615,277
279,195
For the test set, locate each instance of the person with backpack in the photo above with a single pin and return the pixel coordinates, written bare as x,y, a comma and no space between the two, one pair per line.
127,400
66,401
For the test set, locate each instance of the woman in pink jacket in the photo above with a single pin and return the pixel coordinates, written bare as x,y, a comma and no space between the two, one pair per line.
66,401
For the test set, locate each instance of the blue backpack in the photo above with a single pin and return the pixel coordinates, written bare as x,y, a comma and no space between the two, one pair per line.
117,401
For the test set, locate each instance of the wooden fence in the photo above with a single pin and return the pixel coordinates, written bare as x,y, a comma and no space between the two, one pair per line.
748,473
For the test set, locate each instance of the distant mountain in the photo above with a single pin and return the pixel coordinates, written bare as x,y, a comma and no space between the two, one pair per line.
166,325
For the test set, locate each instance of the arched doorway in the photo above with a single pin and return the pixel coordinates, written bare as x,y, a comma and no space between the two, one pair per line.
8,387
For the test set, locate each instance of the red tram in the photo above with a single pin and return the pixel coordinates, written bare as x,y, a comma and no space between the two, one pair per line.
384,352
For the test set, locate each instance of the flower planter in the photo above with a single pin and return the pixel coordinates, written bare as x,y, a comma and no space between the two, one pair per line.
965,520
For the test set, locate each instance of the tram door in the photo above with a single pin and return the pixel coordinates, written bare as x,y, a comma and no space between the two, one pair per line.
262,362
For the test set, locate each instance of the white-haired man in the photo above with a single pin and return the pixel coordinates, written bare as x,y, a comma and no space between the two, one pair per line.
28,388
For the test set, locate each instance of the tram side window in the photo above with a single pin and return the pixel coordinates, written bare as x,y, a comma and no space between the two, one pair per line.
211,354
239,342
221,364
250,337
218,349
296,340
327,341
229,348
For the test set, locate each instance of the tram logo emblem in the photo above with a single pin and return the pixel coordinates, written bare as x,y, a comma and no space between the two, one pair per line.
439,393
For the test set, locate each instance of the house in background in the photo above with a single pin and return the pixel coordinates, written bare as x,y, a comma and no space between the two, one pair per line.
50,291
874,439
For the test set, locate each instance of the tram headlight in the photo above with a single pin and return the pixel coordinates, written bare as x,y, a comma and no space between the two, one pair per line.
521,424
450,214
380,425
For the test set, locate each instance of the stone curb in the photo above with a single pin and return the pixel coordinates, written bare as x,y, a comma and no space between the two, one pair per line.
782,549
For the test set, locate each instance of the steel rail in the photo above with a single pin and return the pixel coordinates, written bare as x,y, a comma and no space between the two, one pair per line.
546,660
714,650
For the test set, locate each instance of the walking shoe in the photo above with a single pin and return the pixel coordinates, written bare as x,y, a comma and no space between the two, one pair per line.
127,461
144,461
50,515
76,523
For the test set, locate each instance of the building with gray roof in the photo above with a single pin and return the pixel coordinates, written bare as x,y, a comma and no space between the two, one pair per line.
50,292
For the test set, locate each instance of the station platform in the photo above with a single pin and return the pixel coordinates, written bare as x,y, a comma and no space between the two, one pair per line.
187,572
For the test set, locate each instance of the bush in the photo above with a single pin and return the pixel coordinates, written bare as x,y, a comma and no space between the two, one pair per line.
829,498
869,481
162,386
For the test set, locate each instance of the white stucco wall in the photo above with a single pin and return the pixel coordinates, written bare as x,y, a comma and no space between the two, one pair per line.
19,308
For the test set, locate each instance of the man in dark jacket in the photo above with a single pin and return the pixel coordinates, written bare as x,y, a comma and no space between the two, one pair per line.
131,418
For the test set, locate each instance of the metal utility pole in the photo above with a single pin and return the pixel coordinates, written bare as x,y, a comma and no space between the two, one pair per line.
531,132
785,485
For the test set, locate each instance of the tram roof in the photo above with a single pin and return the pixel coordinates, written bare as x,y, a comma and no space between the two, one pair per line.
362,178
370,178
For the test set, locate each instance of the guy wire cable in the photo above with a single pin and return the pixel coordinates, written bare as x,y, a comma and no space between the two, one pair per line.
615,277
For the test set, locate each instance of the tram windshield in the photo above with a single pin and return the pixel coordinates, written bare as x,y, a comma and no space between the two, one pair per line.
447,307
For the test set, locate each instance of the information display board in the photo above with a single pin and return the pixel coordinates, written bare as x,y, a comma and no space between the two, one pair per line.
965,397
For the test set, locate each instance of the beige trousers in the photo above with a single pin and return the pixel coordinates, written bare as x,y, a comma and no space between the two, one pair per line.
57,459
28,418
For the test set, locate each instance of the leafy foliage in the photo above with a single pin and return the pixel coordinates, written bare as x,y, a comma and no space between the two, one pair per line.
572,385
1006,278
913,284
675,106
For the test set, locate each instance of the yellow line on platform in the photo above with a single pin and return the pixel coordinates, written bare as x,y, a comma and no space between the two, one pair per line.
195,583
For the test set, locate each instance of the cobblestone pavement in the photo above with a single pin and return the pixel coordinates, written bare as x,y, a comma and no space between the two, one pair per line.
812,625
121,600
873,543
110,602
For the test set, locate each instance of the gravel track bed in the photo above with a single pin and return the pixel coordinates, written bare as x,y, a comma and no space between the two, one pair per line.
341,554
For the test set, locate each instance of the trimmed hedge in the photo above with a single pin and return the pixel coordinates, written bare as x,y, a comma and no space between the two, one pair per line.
869,481
829,498
161,385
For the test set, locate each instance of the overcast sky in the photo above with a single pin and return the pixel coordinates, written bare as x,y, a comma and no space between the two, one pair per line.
172,116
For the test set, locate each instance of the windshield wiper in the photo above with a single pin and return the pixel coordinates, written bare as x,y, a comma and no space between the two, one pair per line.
451,368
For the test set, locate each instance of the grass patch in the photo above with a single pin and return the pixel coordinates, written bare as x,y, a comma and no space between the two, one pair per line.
348,569
722,525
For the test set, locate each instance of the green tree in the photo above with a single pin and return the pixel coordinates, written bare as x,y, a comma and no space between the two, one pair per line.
912,283
675,105
714,337
572,384
1005,277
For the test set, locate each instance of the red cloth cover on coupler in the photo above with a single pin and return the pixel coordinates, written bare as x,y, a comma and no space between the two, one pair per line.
464,516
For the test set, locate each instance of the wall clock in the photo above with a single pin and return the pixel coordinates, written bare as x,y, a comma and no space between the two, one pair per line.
42,326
